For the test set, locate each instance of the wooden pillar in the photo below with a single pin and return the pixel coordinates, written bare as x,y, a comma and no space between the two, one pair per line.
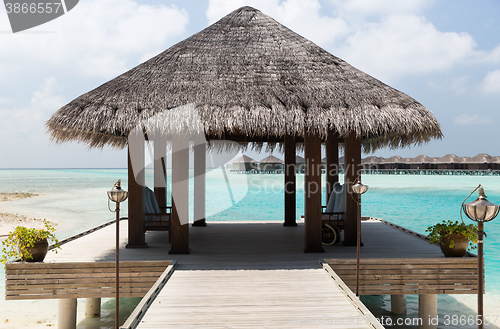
352,166
66,318
312,189
199,184
290,182
92,307
136,234
180,196
160,171
332,162
398,304
427,311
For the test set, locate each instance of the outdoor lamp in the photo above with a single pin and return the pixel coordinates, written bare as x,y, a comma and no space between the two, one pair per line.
480,211
117,195
358,188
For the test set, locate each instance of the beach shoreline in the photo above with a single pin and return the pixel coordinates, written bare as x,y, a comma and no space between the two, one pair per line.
9,221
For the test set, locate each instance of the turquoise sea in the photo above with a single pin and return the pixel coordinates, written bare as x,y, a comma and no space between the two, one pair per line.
76,199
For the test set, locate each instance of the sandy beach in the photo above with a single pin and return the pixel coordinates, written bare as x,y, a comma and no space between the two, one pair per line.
8,221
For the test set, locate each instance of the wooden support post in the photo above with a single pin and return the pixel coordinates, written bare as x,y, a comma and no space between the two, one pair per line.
290,182
398,304
160,171
180,196
351,170
136,234
332,162
66,317
92,307
312,189
199,184
427,311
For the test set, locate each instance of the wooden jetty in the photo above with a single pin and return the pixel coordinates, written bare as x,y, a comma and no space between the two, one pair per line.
249,274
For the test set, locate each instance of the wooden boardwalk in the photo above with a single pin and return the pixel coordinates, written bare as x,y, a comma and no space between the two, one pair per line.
251,299
247,274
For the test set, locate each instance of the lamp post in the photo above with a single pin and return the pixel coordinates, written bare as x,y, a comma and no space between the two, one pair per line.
358,188
117,195
480,211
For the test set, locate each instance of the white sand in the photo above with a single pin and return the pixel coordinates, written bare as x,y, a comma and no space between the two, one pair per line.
8,221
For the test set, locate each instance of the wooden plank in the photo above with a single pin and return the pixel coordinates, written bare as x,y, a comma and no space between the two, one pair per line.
423,260
290,182
85,279
136,181
352,164
144,304
95,264
312,190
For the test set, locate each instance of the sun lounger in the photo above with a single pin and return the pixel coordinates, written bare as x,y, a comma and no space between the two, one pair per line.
154,218
333,215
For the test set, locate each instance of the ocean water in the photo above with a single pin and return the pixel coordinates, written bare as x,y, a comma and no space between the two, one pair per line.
76,199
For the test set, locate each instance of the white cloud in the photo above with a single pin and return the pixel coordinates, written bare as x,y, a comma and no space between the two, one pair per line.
388,39
99,38
491,83
379,7
47,97
458,85
28,122
470,119
405,44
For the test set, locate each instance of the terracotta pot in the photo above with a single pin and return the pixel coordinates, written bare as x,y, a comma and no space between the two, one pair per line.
460,247
37,252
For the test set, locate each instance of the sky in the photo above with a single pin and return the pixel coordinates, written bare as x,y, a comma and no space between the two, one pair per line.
443,53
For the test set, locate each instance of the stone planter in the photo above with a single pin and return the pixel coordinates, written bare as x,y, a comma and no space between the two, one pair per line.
460,247
37,252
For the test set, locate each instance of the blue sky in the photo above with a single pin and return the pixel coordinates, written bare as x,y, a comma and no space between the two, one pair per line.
445,54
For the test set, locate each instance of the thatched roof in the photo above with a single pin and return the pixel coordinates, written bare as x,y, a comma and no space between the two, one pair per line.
244,159
421,159
449,158
299,159
395,159
271,159
249,78
480,158
372,159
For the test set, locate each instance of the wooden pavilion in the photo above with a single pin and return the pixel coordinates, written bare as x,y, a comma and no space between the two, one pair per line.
253,81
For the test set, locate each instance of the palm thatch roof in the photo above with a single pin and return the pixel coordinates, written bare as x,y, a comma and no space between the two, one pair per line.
421,159
480,158
248,79
372,160
244,159
299,159
271,159
449,158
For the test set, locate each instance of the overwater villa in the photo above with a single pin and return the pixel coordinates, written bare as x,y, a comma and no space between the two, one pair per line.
252,81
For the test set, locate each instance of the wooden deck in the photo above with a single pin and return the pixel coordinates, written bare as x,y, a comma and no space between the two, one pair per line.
247,274
251,299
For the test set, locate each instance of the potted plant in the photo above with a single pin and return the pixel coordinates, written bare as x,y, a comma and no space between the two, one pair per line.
454,238
29,244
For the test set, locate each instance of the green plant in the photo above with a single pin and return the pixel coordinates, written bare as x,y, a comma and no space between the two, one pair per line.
20,240
439,232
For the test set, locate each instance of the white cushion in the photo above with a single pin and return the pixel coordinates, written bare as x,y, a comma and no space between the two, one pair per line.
331,202
340,200
148,208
